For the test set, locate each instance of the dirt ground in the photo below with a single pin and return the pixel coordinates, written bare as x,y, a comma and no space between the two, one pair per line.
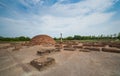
68,63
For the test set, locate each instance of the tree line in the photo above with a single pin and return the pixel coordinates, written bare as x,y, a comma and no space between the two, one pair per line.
100,37
21,38
75,37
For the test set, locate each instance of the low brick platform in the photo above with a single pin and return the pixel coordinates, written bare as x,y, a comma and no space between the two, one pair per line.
70,49
93,48
47,51
77,47
42,62
115,50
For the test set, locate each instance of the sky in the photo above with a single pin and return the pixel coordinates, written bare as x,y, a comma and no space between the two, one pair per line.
52,17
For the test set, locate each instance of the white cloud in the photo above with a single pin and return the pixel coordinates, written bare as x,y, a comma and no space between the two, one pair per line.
79,18
74,18
74,24
82,8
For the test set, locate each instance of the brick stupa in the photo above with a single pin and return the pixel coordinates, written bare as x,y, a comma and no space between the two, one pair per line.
42,40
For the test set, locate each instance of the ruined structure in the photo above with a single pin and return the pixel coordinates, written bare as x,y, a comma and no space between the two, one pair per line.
42,40
42,62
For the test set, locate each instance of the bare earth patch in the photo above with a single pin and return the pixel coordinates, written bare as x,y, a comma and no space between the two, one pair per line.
68,63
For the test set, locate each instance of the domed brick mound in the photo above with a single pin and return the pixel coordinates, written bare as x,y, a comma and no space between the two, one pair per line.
42,40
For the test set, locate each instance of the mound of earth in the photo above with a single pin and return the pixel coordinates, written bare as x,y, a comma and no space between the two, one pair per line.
42,40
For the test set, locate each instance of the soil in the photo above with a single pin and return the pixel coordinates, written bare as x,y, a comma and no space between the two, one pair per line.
67,63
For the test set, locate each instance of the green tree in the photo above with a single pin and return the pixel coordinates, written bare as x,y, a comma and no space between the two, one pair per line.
118,37
77,37
69,38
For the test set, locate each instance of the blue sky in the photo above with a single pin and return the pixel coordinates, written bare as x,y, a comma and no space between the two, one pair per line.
52,17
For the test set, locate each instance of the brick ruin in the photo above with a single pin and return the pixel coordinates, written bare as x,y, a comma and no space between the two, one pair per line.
42,62
42,40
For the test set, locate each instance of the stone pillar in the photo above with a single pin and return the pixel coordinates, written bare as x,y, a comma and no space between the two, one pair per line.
61,46
61,37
